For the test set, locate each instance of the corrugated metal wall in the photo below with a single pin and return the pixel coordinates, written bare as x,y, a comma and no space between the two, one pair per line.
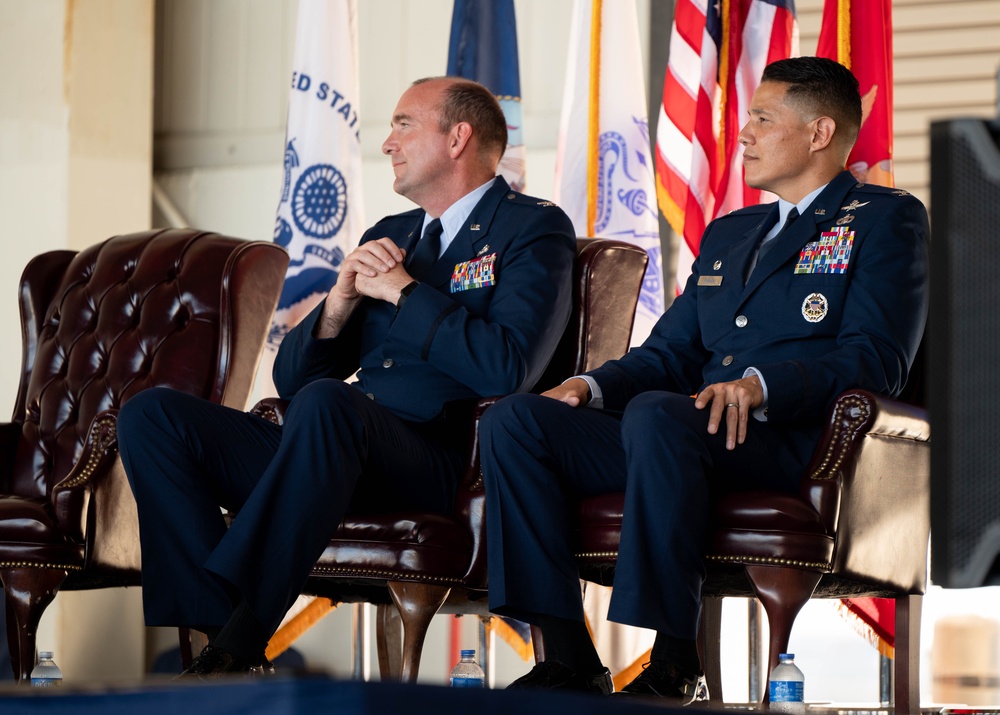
946,55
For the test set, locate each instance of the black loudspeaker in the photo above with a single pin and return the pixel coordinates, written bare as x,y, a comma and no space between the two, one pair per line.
964,373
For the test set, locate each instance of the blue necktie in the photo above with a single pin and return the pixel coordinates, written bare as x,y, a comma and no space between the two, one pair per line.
426,252
768,245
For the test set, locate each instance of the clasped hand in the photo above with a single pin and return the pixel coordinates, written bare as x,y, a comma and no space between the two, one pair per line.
373,269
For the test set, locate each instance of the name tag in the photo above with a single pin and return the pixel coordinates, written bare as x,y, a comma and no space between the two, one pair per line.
477,273
709,280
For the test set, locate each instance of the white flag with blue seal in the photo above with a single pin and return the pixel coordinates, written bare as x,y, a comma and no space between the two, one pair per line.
320,213
604,170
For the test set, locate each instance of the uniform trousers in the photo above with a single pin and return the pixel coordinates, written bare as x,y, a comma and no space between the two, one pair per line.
540,456
289,487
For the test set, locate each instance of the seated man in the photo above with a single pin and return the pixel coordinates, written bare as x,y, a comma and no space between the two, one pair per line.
476,310
788,305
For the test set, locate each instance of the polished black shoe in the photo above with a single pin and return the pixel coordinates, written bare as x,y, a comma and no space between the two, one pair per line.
665,680
554,675
214,662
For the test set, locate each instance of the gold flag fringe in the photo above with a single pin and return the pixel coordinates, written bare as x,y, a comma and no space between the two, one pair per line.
299,624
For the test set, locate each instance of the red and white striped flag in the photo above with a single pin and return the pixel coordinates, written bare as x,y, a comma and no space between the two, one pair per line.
718,51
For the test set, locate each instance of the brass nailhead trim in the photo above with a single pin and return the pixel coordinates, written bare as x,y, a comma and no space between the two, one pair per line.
378,573
825,565
97,446
36,565
270,414
598,555
831,461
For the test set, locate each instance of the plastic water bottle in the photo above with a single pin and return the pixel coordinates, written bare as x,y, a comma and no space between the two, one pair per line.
786,685
46,673
467,673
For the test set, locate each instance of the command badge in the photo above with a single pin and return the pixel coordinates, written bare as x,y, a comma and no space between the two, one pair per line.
815,307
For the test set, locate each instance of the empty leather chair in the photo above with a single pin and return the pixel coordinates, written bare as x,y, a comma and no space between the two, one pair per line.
179,308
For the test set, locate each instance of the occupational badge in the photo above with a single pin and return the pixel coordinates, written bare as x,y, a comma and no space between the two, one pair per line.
717,265
844,220
815,307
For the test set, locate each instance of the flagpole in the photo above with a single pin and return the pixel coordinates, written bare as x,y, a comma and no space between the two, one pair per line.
594,115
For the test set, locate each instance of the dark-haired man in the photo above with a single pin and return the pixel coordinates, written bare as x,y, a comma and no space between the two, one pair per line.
779,316
465,297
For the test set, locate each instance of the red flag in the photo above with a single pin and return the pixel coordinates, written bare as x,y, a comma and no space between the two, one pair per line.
718,51
859,36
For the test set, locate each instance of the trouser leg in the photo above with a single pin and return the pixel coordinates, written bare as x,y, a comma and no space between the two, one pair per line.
185,457
673,467
539,457
333,439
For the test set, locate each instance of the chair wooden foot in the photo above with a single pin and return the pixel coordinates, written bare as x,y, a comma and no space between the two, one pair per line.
417,604
537,644
782,592
29,592
389,641
906,664
709,640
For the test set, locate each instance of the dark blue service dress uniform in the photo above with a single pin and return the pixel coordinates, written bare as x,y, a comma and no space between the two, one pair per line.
484,320
838,302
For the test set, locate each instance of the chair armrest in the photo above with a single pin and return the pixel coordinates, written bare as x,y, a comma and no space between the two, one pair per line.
470,501
271,409
870,482
71,497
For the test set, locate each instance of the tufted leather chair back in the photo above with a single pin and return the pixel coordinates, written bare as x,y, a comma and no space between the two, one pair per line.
114,319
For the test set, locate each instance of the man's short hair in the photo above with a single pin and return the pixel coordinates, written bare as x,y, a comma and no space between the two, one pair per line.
468,101
823,87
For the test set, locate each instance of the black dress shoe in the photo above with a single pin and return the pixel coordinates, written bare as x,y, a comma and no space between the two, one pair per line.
554,675
665,680
214,662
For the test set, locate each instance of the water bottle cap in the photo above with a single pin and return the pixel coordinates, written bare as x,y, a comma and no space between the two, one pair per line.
45,655
786,656
468,653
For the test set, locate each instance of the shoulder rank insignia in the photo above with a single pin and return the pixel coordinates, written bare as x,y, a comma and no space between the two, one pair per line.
545,203
900,192
854,205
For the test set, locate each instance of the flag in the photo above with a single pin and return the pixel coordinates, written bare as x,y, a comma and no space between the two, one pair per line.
858,35
320,214
483,48
718,51
604,171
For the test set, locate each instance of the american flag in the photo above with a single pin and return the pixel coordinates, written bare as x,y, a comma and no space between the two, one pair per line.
718,51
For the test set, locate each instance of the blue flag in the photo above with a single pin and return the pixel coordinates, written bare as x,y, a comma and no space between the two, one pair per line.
483,48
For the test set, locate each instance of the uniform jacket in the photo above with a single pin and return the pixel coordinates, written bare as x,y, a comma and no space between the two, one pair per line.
485,321
839,302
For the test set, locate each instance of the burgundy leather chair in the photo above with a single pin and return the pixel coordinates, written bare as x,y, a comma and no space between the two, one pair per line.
425,561
179,308
859,526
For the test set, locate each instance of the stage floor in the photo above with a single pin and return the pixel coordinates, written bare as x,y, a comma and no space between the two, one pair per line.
313,693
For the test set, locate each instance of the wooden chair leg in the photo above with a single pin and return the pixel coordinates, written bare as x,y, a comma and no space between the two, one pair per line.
537,644
906,665
417,604
709,641
29,592
191,643
782,592
389,641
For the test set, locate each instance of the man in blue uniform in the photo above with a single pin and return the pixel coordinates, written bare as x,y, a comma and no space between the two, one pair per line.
788,304
465,297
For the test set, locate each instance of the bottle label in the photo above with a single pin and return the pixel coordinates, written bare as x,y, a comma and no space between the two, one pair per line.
785,691
467,682
45,682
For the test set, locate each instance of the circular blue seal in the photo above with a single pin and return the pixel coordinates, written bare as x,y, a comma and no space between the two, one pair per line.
319,203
